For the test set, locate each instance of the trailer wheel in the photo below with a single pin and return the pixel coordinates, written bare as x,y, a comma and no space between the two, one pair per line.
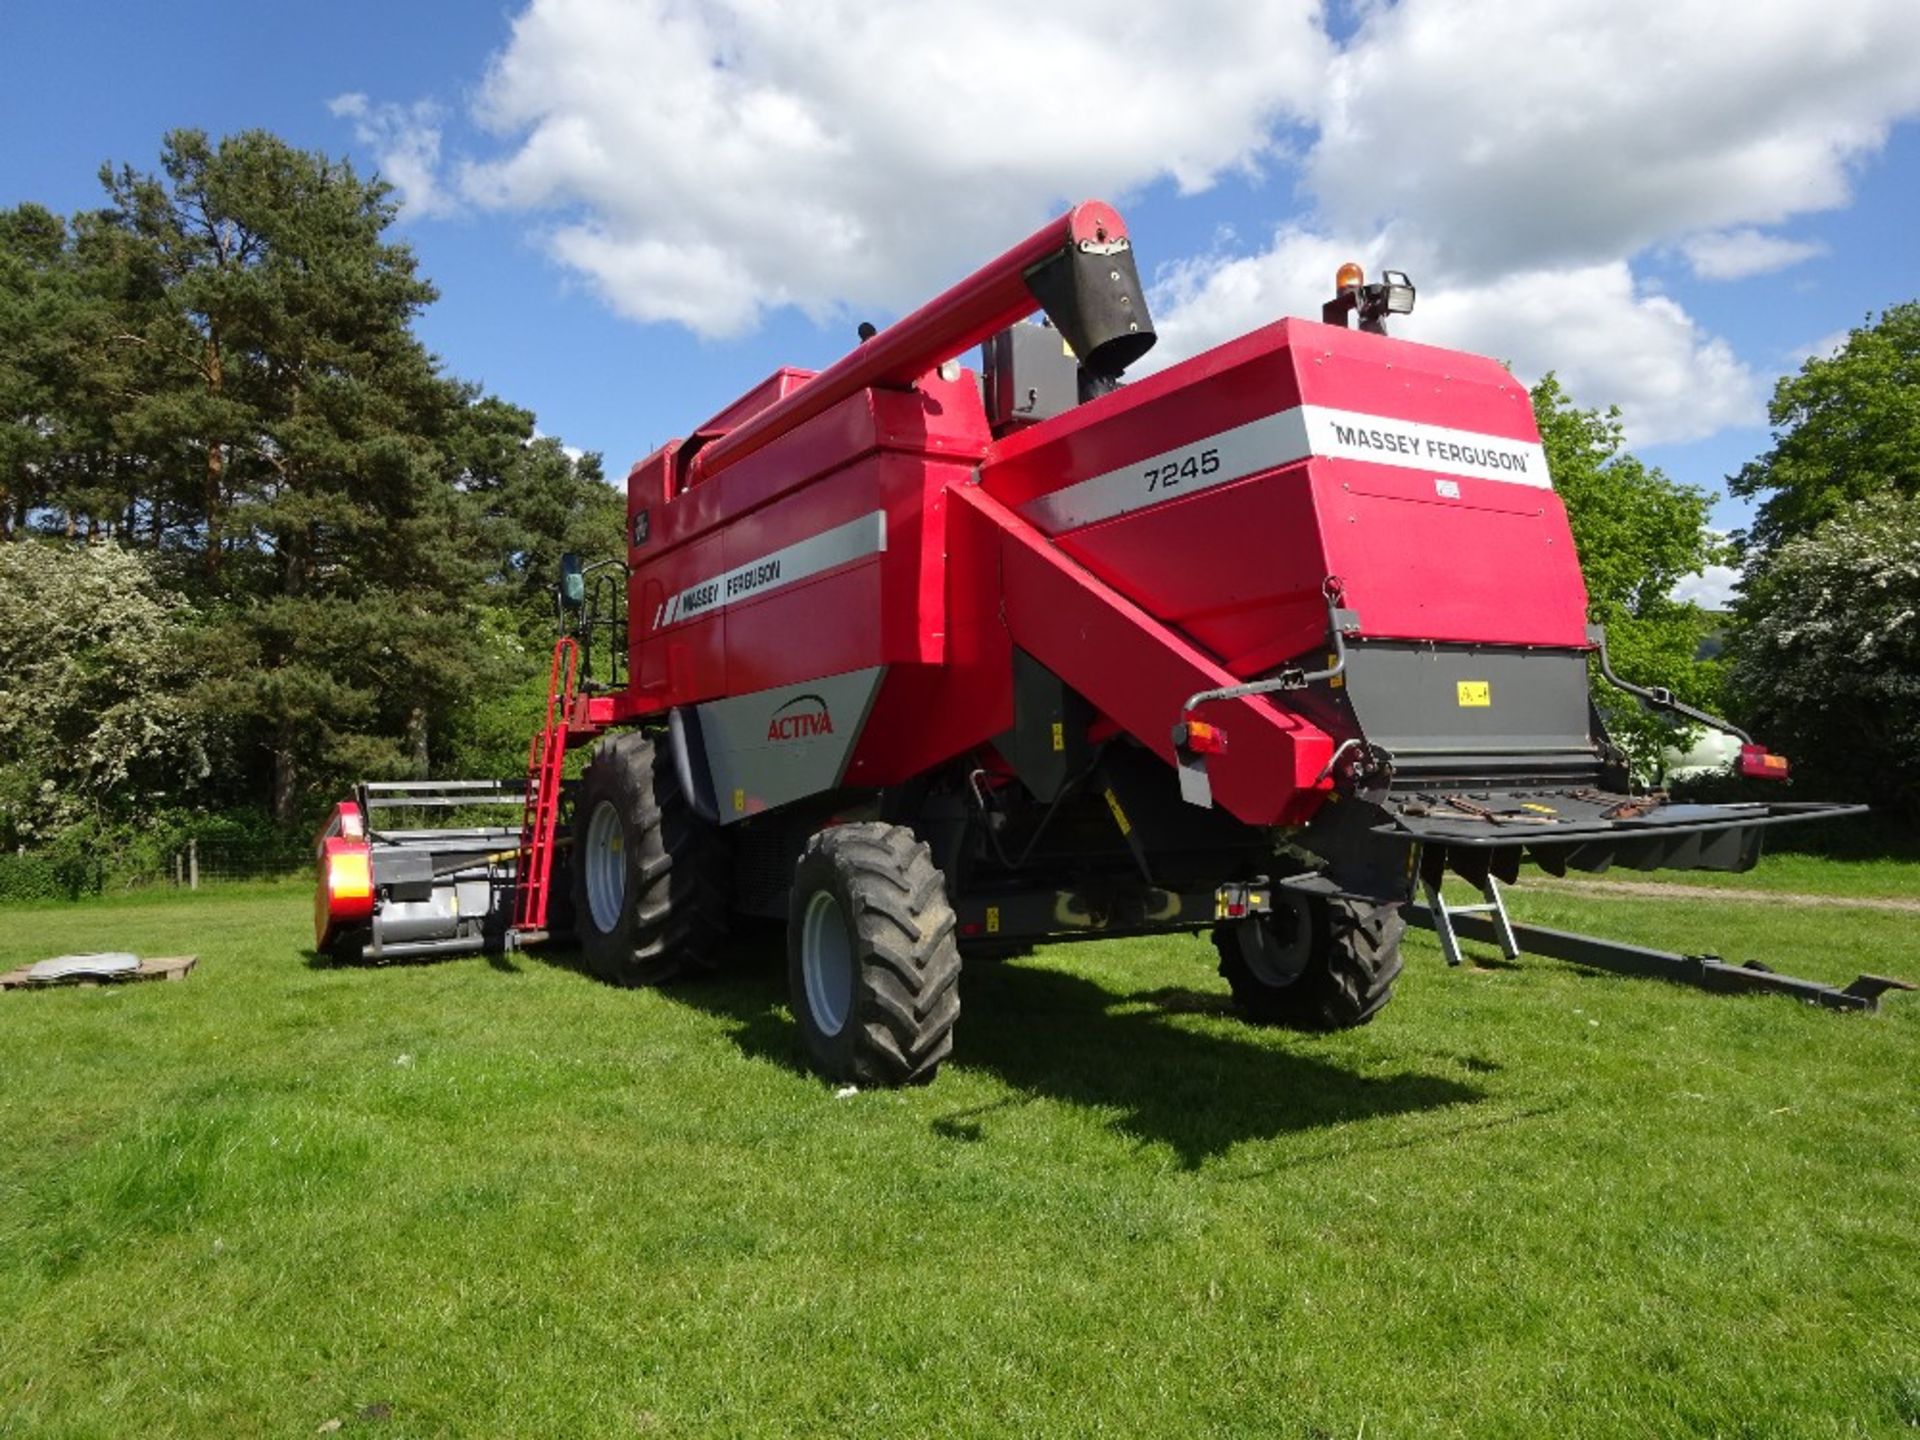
1314,964
649,877
349,947
872,966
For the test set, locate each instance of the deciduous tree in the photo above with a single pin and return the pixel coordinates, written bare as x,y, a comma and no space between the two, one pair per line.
1828,652
95,722
1846,430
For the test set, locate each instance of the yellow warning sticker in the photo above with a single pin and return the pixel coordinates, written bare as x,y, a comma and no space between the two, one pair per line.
1119,815
1059,736
993,919
740,796
1337,681
1476,692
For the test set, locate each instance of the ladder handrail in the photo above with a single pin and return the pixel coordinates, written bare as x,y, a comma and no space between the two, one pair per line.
546,755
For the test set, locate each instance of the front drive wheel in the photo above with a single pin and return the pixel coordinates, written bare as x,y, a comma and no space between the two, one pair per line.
1315,963
649,876
872,966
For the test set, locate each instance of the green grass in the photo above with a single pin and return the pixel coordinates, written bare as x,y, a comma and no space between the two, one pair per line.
1863,876
1871,856
499,1199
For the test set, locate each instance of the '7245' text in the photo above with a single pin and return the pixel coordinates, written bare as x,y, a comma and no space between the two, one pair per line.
1176,468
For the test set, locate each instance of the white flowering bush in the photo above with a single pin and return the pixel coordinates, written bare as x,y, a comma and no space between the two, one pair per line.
1828,652
95,724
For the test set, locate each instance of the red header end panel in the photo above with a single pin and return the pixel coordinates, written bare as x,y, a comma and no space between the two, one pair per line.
816,555
1220,493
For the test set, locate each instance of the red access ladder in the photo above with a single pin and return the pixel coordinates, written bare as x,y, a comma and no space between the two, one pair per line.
541,816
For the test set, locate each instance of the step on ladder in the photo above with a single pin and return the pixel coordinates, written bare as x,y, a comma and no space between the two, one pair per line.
546,754
1493,906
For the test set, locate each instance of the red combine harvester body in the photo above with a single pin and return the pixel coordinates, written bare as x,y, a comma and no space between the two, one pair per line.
935,663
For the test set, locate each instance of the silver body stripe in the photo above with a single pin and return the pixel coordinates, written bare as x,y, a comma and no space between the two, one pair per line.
1280,439
1237,453
801,560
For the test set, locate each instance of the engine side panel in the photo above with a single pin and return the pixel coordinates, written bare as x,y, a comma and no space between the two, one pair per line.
770,747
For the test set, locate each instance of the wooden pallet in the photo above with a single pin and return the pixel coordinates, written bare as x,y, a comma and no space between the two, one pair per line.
158,967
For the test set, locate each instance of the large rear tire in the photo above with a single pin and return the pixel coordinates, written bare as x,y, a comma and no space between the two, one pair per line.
872,966
650,877
1315,963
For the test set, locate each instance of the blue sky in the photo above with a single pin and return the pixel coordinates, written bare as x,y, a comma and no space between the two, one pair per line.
635,209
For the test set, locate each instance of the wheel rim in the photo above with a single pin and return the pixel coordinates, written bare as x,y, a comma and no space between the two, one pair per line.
606,867
826,962
1280,951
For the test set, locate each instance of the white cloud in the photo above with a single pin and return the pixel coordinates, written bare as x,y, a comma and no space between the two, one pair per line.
405,141
712,160
1521,136
1200,302
702,162
1736,254
1609,341
1710,589
1517,158
1825,348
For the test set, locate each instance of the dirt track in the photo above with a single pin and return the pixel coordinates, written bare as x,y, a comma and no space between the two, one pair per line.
1658,890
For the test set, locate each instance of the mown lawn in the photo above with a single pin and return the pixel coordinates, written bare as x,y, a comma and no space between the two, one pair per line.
1808,874
500,1199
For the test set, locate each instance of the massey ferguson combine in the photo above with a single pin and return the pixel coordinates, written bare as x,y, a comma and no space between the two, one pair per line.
937,665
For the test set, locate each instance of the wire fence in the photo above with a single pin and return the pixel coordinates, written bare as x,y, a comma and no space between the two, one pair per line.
216,862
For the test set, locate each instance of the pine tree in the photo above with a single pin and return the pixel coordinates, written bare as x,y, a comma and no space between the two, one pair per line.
288,397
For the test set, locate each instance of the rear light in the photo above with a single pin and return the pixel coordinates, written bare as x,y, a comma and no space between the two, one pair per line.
1237,902
1200,738
345,894
1758,763
350,879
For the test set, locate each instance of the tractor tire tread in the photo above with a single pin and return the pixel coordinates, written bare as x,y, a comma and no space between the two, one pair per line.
907,971
675,921
1348,979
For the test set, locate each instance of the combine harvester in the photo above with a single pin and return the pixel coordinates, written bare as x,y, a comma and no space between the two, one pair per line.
934,664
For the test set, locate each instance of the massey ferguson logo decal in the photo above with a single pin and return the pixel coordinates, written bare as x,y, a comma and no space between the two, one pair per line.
857,539
801,718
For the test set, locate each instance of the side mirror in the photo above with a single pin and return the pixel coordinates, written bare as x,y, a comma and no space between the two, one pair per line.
572,592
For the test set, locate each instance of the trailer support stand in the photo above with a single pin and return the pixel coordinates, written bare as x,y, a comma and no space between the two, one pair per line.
1441,917
1709,972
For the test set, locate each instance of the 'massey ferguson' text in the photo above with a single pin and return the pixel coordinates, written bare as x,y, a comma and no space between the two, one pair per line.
1395,442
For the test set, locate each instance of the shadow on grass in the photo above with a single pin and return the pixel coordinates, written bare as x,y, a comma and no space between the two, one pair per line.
1198,1089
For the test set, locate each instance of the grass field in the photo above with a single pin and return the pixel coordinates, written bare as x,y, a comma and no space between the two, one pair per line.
1866,875
500,1199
